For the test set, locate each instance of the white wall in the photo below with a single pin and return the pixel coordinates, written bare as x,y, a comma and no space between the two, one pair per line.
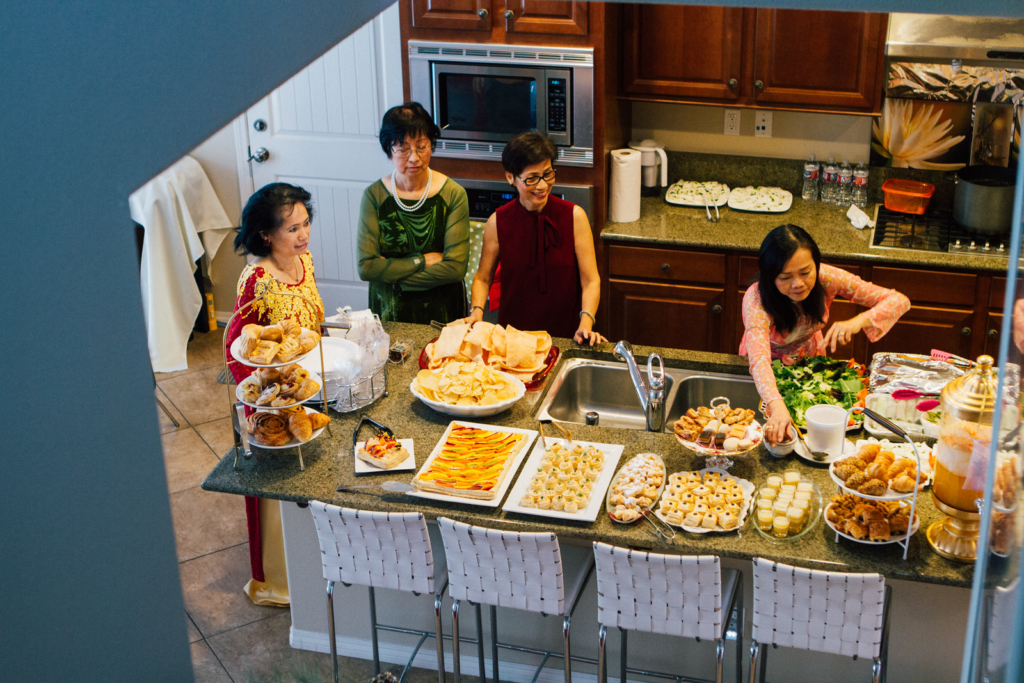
692,128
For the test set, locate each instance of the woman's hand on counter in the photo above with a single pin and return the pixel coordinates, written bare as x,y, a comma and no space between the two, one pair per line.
842,332
584,335
779,422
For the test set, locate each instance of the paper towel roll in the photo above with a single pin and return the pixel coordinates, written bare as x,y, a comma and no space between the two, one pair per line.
624,194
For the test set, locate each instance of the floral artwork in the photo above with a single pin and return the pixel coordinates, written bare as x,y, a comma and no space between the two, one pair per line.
920,134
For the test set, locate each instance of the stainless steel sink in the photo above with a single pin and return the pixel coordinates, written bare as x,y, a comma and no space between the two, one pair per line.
604,387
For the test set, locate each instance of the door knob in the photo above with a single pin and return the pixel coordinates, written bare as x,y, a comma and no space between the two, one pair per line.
665,267
482,13
993,333
733,82
260,155
716,309
260,125
966,332
509,14
759,84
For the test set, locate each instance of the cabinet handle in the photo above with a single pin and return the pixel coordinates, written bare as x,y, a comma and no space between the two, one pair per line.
665,267
759,84
509,14
966,332
482,13
993,333
733,82
716,309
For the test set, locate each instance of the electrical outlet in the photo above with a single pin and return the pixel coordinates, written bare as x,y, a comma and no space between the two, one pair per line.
762,124
732,122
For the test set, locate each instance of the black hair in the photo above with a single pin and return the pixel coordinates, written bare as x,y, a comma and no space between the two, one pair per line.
776,250
404,121
262,215
527,149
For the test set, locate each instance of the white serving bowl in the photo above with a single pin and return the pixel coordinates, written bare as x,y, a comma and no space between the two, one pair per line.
472,411
783,448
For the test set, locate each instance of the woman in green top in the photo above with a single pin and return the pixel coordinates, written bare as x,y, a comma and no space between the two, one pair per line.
413,227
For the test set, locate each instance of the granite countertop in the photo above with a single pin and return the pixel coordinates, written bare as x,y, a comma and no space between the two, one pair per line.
329,464
664,224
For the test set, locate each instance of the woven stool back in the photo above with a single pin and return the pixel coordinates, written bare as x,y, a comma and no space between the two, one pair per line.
378,549
672,594
506,569
814,610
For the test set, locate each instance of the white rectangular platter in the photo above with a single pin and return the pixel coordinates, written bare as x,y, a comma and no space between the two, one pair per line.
612,453
517,460
691,193
363,467
760,199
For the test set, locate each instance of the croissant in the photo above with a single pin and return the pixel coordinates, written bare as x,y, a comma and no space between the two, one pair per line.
306,389
269,429
869,452
268,395
898,466
267,376
879,530
856,529
272,333
904,483
888,456
300,426
319,420
289,349
308,339
290,328
878,469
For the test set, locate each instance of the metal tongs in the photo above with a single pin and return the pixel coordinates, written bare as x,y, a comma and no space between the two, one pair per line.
381,429
647,514
707,207
565,432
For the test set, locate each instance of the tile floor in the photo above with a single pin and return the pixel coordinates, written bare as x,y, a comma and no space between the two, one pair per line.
232,640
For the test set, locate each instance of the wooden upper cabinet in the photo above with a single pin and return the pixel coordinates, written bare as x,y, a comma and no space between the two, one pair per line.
683,51
544,16
452,14
831,60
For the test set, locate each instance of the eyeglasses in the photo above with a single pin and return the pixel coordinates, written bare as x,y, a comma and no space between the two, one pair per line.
532,180
404,152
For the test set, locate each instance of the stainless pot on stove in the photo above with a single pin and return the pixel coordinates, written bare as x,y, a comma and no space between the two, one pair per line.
983,199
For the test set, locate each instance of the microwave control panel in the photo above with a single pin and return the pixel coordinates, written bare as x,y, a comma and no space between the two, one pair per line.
557,104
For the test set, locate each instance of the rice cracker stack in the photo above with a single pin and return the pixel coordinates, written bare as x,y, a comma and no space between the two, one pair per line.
465,384
473,463
521,354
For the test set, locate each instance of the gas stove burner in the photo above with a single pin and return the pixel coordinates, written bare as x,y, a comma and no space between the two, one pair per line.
912,241
932,231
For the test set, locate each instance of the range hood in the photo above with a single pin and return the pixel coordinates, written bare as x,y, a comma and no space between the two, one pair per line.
936,38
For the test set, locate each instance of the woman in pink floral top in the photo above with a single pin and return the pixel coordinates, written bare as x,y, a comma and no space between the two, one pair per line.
785,313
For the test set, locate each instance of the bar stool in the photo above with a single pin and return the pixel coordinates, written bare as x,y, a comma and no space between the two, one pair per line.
675,595
519,570
836,612
378,550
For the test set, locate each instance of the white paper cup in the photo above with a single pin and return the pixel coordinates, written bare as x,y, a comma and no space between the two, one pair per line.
826,429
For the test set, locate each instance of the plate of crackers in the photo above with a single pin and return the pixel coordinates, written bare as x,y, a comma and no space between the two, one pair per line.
872,522
719,429
705,501
467,389
274,345
875,473
527,356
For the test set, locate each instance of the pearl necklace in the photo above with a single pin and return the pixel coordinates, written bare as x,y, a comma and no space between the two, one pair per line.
423,197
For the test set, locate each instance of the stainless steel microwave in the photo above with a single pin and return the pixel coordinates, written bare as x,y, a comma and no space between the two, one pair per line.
481,95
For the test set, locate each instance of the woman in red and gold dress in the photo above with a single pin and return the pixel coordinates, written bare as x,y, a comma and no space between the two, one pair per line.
549,278
275,228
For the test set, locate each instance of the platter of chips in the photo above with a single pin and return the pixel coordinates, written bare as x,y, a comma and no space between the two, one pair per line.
527,356
467,389
473,464
576,474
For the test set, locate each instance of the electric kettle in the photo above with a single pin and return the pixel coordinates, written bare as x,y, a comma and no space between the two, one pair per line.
651,155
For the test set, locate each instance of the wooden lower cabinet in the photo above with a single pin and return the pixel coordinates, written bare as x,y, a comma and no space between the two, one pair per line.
674,316
923,329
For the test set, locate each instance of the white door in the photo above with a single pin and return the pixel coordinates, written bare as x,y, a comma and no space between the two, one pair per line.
321,134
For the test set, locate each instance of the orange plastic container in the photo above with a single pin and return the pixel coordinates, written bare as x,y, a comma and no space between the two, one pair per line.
907,196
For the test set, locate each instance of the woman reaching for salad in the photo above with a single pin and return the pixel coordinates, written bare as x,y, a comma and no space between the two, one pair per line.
785,312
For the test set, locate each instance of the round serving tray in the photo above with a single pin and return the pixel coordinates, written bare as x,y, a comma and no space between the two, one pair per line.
312,375
291,444
236,353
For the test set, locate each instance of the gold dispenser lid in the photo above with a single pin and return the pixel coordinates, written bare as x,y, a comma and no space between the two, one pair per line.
973,396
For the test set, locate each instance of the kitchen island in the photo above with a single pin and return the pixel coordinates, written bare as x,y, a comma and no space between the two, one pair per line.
329,464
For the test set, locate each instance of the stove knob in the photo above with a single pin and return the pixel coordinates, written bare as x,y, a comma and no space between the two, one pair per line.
987,248
1001,249
957,246
973,247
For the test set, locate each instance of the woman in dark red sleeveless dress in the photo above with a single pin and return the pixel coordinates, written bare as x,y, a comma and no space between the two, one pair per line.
549,278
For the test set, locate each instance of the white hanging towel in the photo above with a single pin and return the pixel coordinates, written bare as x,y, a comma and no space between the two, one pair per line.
183,219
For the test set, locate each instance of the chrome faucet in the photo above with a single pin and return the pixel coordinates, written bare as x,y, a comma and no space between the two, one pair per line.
652,392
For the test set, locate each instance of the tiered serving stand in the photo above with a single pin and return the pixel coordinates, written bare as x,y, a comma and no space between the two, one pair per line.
242,445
